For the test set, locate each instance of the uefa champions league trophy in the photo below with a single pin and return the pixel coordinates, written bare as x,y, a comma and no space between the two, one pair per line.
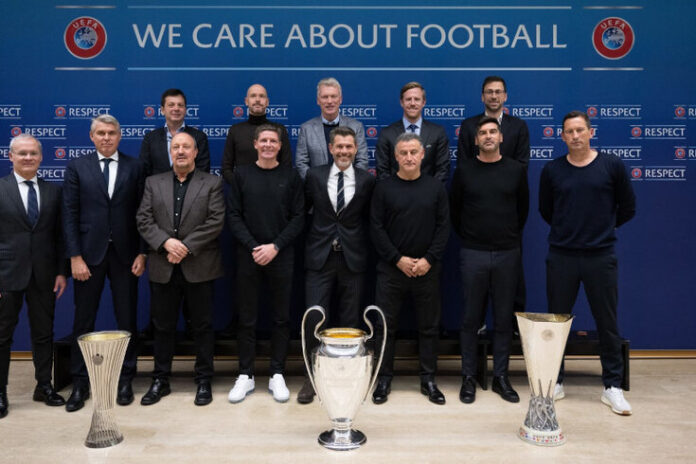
340,373
544,337
104,353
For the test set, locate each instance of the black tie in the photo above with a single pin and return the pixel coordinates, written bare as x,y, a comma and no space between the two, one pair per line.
412,128
106,172
340,199
32,204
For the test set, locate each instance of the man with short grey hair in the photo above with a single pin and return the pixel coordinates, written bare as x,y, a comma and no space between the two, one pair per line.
313,142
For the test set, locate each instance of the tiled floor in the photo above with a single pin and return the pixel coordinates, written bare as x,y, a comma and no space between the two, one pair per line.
407,429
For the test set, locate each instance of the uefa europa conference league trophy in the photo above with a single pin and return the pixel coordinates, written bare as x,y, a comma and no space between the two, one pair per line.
340,372
544,337
104,353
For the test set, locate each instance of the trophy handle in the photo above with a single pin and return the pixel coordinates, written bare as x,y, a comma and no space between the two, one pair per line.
316,335
384,342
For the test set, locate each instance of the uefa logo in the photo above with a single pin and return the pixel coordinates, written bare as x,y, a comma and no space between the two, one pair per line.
548,131
506,110
613,38
15,131
149,111
636,173
60,153
238,111
636,131
456,131
680,153
60,111
680,111
592,111
371,132
85,37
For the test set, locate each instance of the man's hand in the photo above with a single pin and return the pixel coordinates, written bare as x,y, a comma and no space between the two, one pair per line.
421,267
138,266
176,248
60,285
406,265
264,254
79,268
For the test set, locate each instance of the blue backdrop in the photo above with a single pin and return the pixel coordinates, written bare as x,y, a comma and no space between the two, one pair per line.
630,66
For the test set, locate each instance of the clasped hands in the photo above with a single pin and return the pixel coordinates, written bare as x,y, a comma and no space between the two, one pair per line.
413,267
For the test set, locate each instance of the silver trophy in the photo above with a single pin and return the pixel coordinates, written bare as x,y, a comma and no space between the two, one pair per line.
544,337
104,353
342,375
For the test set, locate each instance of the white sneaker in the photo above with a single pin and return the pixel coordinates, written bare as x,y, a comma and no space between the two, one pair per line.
558,392
242,387
614,398
277,387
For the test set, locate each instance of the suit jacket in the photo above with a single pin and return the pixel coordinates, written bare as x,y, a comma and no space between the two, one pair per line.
515,138
312,150
202,218
91,218
154,155
436,162
25,249
351,226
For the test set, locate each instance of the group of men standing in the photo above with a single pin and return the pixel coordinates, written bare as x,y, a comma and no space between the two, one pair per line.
115,213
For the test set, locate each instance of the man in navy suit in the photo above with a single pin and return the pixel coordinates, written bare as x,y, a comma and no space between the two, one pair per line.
436,162
101,194
313,142
337,247
32,265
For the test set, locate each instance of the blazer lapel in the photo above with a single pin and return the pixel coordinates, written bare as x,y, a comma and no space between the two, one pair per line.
192,191
98,176
16,199
121,173
319,133
166,191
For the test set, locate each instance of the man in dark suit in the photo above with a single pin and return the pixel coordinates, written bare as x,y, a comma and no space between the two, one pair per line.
313,142
338,238
154,151
101,193
436,162
32,265
180,217
514,130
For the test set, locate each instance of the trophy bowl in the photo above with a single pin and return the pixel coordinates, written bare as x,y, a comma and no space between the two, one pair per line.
544,337
342,374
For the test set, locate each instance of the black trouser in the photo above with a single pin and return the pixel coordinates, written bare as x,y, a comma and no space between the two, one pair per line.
166,300
320,287
485,273
40,308
598,273
124,294
278,274
393,286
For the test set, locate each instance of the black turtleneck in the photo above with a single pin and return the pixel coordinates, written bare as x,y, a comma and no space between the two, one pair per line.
239,146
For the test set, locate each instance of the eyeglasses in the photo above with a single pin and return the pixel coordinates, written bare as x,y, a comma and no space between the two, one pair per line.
493,92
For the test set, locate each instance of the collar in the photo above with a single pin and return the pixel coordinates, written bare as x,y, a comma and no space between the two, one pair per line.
258,120
188,176
330,123
113,157
21,179
349,172
500,118
180,129
407,123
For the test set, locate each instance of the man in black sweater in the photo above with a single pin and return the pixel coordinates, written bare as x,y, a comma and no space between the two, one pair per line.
265,211
409,224
489,206
584,196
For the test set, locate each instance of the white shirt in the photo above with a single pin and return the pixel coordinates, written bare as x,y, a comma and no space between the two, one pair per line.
113,169
24,190
348,184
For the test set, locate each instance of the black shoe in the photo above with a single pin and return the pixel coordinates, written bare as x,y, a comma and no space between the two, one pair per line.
430,390
501,385
204,394
158,389
306,394
382,390
77,399
46,393
125,394
468,392
3,404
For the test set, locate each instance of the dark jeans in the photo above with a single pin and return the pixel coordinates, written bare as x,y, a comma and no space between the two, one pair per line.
598,273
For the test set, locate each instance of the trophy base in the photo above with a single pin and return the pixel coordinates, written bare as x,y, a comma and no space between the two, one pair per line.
342,440
103,439
540,437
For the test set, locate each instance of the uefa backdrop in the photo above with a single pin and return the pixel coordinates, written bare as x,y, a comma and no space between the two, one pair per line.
630,65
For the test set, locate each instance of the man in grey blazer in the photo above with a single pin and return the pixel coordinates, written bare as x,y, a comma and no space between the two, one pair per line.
180,217
32,265
313,142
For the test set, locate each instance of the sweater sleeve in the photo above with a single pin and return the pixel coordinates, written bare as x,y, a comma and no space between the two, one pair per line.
442,226
296,214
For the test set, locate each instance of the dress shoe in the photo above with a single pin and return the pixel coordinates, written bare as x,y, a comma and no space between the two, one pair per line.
501,385
3,404
382,390
125,394
204,395
468,392
306,394
158,389
46,393
77,399
433,393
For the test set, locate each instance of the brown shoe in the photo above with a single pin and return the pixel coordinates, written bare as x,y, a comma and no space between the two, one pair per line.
306,394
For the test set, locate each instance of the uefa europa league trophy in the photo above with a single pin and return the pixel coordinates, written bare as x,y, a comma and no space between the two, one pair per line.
544,338
104,353
340,373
